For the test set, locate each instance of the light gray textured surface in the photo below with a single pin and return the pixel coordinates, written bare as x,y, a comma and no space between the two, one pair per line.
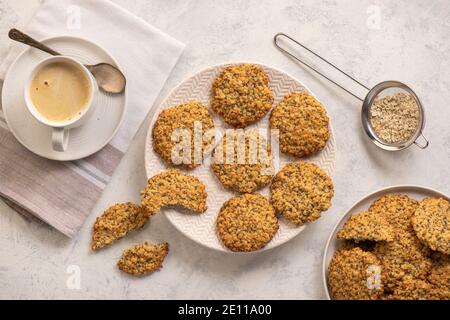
409,42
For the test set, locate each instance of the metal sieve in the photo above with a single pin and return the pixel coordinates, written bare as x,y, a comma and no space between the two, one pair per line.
380,90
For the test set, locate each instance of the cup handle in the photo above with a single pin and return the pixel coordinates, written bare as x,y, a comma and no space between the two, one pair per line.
60,139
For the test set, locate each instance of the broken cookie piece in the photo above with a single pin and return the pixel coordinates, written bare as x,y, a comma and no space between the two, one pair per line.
173,188
367,225
117,222
143,258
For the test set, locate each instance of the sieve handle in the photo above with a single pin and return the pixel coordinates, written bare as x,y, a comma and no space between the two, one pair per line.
281,48
426,142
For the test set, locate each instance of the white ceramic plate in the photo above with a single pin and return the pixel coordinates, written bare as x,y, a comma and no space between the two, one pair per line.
201,228
85,140
333,244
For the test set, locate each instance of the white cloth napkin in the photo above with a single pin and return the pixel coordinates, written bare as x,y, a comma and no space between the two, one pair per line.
147,57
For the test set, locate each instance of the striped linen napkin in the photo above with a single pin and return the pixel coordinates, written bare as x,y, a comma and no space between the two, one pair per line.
52,190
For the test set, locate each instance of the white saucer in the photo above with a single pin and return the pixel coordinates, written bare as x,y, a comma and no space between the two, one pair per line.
85,140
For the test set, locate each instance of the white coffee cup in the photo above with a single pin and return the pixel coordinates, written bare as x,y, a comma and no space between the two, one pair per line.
61,129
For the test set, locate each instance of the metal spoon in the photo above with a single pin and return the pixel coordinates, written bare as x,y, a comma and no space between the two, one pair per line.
109,78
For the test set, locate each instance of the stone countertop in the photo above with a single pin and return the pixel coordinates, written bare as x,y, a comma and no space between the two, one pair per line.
372,40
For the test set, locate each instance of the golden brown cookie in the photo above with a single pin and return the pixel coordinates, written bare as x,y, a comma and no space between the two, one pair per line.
241,95
431,222
178,123
143,258
355,275
440,271
403,258
117,222
301,191
302,122
367,225
397,209
174,188
248,166
413,289
246,223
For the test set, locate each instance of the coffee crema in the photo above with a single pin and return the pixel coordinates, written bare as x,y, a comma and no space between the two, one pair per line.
60,91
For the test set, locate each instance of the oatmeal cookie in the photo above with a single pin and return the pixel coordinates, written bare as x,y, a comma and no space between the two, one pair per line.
249,169
431,221
246,223
397,209
367,225
302,122
440,271
241,95
403,258
143,258
171,122
117,222
301,191
413,289
173,188
349,275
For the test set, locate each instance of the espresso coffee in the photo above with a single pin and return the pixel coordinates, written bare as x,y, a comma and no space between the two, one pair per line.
60,91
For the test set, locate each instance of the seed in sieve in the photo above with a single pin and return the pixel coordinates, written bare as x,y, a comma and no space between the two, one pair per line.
395,118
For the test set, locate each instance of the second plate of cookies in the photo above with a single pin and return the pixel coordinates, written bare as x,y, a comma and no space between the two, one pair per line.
252,205
392,244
